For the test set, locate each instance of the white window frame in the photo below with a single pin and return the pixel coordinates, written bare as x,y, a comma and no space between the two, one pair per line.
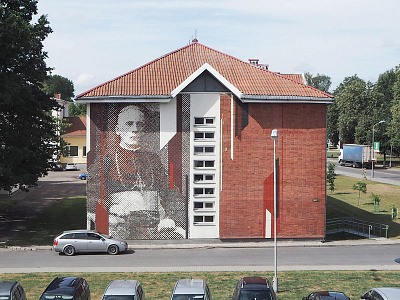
204,191
203,221
204,205
206,122
203,150
204,164
204,180
204,138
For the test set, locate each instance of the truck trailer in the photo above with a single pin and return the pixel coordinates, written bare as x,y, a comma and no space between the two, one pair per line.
357,156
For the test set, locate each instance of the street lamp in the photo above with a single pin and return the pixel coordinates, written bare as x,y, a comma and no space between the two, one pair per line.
274,137
373,150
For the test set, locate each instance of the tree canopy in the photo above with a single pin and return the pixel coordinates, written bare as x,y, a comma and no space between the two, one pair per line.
56,84
320,81
28,136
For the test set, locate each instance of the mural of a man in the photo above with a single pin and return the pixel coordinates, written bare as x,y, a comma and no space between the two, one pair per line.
138,196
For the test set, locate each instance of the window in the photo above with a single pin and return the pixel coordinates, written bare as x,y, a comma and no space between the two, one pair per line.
204,121
204,164
80,236
203,219
203,191
93,236
72,151
204,150
204,178
84,151
203,135
203,205
67,236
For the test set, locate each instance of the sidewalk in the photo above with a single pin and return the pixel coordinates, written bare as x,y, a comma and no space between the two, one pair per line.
216,243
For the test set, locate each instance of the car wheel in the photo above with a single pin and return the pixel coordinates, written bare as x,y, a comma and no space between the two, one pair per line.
83,178
69,250
113,249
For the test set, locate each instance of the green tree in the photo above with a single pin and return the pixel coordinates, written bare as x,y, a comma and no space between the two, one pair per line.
56,84
351,102
320,81
332,124
28,136
394,126
377,200
361,187
331,176
77,109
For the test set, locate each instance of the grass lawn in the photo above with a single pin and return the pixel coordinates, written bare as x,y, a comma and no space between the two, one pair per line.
292,285
64,214
344,202
70,213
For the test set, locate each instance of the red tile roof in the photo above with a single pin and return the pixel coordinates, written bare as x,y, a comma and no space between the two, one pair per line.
296,77
77,128
161,76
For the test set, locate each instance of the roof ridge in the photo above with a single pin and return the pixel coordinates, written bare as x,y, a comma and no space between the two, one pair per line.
136,69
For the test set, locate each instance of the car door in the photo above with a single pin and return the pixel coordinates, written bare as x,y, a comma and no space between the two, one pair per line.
95,242
80,242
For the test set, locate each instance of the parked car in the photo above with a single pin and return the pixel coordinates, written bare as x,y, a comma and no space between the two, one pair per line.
75,241
124,290
67,288
382,293
191,289
70,167
11,290
56,166
252,288
83,176
326,295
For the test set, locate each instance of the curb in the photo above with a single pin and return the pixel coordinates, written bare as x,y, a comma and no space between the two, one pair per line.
212,245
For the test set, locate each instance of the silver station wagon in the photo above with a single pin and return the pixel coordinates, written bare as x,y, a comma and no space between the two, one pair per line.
76,241
191,289
124,290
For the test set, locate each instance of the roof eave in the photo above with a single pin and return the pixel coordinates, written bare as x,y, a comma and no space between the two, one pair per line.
285,99
125,99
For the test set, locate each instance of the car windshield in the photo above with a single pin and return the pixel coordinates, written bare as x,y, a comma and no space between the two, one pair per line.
187,297
56,297
256,295
119,297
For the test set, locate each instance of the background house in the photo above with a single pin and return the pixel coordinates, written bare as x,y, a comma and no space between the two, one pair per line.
75,137
204,165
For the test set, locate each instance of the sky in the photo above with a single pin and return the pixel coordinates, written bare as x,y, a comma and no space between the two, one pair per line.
94,41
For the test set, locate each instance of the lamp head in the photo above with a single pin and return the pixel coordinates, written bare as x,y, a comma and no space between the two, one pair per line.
274,134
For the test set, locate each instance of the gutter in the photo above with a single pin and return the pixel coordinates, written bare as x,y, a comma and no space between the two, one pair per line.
122,99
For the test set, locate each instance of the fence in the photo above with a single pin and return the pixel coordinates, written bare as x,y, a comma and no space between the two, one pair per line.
357,227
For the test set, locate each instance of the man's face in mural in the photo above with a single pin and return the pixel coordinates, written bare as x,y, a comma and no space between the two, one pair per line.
130,127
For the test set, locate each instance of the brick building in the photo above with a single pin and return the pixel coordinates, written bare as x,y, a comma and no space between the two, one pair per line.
181,148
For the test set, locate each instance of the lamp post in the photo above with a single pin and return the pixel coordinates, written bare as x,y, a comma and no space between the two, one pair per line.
274,137
373,150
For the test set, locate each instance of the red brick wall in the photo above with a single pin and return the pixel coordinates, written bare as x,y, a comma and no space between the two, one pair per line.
246,180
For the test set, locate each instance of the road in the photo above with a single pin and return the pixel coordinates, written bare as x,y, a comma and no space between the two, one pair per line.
339,257
390,176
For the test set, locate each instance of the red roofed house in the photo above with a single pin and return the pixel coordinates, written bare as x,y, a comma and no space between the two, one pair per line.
181,148
75,136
